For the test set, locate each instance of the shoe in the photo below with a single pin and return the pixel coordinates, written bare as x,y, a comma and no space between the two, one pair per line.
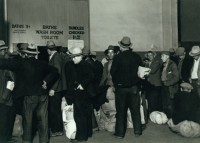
59,133
117,136
76,141
137,135
144,127
53,134
12,141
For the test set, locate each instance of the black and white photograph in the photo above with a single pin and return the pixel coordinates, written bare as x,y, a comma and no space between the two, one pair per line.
99,71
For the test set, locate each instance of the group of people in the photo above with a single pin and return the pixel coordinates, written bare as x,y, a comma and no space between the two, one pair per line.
34,88
172,81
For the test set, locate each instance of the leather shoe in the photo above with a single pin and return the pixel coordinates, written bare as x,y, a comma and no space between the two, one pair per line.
117,136
76,141
137,135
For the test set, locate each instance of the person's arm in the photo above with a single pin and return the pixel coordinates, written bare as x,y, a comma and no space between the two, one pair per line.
9,64
51,77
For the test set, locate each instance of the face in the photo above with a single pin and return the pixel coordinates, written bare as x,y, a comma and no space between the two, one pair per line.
77,59
182,57
164,57
150,56
110,54
196,57
49,52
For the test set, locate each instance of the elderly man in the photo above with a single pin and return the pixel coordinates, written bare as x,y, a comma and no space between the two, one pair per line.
169,78
80,78
195,72
33,78
126,82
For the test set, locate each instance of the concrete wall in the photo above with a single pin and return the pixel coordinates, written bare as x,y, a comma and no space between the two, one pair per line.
149,23
38,21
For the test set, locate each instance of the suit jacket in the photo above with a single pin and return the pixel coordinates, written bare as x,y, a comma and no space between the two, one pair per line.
57,62
186,69
172,78
155,74
30,74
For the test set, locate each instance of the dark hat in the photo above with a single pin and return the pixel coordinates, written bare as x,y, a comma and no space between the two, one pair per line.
180,51
186,85
51,45
110,47
125,42
165,53
31,49
195,51
2,45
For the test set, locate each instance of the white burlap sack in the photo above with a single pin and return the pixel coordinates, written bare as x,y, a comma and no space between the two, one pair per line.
69,123
185,128
158,117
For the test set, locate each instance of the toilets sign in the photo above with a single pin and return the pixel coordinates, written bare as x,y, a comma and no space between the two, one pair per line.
49,32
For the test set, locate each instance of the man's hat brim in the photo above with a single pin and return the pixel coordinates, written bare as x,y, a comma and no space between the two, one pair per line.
124,45
194,54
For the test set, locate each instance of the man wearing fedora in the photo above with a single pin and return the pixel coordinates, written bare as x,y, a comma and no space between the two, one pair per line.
126,82
185,63
195,72
33,79
55,93
6,99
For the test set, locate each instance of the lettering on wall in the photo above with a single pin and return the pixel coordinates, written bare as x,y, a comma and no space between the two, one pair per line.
49,32
20,28
76,31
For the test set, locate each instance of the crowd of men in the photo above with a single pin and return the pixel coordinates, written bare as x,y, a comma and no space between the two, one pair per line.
34,88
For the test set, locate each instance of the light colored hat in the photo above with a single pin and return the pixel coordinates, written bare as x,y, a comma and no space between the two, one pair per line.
180,51
195,51
32,49
51,44
125,42
76,52
186,85
2,45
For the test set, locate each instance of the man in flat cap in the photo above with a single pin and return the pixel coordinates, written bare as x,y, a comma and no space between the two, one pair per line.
186,105
126,82
169,78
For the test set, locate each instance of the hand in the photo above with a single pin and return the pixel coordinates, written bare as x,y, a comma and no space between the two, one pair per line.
51,92
80,87
44,86
10,85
